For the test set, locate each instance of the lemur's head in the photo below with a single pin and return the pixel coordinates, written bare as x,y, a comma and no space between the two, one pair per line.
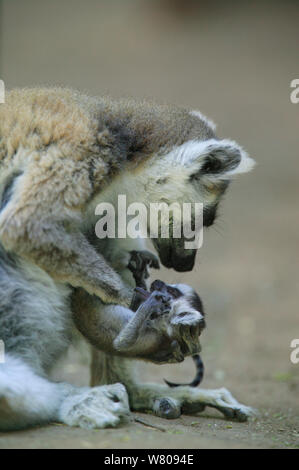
172,156
191,165
175,314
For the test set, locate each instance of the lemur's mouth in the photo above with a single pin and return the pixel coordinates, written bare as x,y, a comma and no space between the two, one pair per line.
173,255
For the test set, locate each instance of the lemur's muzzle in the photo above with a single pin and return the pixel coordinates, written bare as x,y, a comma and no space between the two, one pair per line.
172,254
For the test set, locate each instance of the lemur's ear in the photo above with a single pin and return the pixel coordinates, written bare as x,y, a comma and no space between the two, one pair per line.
216,159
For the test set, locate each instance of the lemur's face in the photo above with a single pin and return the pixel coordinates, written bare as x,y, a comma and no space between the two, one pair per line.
186,164
194,172
172,251
186,309
184,299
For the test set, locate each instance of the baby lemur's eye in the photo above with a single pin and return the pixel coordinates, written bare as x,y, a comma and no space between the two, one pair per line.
174,292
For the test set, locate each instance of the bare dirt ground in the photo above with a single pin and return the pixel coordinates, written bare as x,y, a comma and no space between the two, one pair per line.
235,63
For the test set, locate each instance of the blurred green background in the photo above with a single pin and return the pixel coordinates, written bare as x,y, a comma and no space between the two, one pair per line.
233,61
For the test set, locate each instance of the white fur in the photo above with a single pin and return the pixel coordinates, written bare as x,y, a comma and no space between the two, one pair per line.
97,407
201,116
192,153
27,399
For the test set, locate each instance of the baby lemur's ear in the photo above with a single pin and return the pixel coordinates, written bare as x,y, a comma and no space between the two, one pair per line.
215,159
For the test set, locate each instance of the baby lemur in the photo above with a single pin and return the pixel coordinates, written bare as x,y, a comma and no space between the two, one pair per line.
172,294
162,325
138,265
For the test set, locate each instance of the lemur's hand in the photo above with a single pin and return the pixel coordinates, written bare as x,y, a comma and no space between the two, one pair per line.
139,263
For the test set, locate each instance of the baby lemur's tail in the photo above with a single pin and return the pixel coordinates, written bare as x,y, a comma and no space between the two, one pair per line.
199,373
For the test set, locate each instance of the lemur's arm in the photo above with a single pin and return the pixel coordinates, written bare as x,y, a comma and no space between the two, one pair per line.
40,222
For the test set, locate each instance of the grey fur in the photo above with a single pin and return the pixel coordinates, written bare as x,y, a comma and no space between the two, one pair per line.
36,324
69,152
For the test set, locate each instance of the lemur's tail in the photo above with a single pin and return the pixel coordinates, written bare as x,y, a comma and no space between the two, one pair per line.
199,373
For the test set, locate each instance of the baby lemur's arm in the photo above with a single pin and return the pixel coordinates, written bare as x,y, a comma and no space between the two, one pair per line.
165,327
120,331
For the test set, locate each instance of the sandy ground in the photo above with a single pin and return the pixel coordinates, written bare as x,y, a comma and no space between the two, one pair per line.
236,65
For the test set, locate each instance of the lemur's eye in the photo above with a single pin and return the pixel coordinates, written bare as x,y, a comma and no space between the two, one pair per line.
211,187
212,165
174,292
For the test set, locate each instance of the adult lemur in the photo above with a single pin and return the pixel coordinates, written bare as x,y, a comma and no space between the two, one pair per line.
61,153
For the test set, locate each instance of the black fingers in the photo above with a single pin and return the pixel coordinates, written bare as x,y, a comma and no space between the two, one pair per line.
139,263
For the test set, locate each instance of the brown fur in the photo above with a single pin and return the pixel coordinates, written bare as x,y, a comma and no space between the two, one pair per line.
64,148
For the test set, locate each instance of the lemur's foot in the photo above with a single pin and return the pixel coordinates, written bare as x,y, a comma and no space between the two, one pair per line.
171,403
221,399
139,263
98,407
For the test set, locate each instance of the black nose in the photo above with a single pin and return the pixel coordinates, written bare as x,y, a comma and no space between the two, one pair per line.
209,216
202,324
184,263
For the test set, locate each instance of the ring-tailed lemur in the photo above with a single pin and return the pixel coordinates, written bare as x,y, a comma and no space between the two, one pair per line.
61,152
173,293
138,265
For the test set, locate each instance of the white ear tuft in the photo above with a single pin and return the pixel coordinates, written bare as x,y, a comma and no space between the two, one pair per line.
201,116
246,163
212,158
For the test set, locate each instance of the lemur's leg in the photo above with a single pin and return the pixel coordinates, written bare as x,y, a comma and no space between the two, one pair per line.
170,403
163,401
28,399
36,326
40,222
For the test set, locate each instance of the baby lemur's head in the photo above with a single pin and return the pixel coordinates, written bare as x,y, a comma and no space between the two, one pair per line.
184,301
175,310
